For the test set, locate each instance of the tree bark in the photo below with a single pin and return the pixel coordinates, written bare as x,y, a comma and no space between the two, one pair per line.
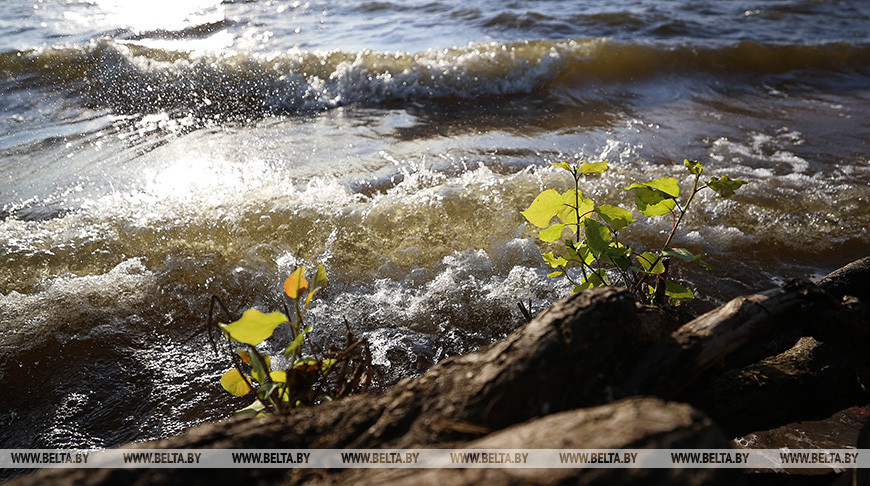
676,362
633,423
810,381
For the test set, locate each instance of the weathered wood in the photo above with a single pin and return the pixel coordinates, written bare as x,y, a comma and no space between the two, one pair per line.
852,279
633,423
678,361
810,381
862,476
705,363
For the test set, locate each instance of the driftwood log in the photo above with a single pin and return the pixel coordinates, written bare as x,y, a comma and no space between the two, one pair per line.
633,423
817,362
758,362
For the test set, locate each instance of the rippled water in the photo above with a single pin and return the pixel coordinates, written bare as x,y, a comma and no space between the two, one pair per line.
155,153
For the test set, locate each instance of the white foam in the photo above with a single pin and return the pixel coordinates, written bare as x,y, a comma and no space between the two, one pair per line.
318,79
763,149
70,304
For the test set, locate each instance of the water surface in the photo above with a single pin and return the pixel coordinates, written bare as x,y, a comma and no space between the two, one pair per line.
155,153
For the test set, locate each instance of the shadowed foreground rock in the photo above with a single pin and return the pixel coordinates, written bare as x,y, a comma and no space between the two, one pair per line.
633,423
585,351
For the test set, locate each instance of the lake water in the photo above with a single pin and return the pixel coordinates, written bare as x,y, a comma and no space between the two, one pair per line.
155,153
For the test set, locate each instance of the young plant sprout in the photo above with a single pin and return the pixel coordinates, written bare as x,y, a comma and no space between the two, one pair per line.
595,246
306,378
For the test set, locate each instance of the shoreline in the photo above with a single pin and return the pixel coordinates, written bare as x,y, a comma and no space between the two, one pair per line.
588,361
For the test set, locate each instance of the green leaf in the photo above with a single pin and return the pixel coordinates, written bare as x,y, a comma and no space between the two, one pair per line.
694,166
264,391
233,382
593,167
591,281
296,283
651,203
724,186
686,256
557,273
619,259
667,185
544,208
320,280
580,254
260,367
254,327
656,198
678,292
616,217
647,259
297,341
597,238
251,410
552,233
553,260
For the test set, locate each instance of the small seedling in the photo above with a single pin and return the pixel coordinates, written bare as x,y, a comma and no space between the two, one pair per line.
307,378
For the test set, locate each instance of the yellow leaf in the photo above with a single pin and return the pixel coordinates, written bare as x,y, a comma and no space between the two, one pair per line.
320,277
543,208
319,282
552,233
254,327
246,358
593,167
233,382
562,165
278,376
296,284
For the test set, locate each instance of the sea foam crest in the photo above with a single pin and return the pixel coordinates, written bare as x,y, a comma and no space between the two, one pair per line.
133,77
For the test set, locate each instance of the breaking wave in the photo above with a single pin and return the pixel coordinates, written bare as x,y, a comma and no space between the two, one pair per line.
131,77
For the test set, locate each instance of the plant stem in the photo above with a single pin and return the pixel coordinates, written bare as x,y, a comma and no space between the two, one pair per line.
576,175
695,190
298,329
683,211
